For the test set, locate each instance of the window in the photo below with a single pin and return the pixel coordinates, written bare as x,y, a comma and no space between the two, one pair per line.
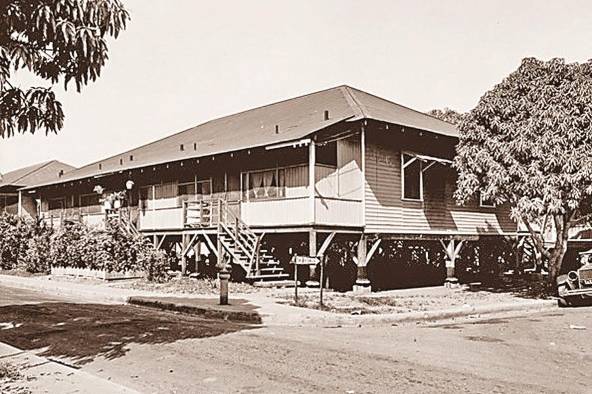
9,204
186,191
56,204
261,185
412,177
90,203
165,190
327,154
484,202
204,189
146,194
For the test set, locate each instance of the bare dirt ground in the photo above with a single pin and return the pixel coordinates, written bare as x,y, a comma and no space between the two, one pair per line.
154,351
402,301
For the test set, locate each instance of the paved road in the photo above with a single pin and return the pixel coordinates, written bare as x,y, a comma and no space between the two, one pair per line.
164,352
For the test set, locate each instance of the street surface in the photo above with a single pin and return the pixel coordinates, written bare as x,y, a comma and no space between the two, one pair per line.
153,351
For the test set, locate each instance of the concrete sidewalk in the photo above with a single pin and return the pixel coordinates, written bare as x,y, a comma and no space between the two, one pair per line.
261,308
41,375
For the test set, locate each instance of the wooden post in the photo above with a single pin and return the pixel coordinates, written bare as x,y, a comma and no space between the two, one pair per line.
362,282
221,263
20,203
197,250
312,180
296,284
322,279
452,250
312,251
183,254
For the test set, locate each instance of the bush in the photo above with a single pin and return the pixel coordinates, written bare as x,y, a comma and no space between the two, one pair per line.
35,248
69,246
37,256
14,233
155,264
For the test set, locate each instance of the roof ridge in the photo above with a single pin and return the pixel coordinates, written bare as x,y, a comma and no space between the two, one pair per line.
210,121
352,99
37,166
403,106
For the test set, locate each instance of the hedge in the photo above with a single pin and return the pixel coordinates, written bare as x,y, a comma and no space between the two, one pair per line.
29,246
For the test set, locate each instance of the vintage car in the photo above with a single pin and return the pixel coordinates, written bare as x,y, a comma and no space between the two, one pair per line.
575,287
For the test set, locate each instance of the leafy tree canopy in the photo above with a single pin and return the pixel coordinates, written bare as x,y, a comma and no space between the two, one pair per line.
447,115
55,40
529,142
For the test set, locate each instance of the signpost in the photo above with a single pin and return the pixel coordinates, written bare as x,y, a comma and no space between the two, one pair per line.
302,260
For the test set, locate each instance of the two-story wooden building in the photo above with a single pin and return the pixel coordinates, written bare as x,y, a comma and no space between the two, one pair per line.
336,161
13,200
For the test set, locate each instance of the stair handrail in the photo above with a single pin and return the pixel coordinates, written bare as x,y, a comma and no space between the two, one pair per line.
236,219
255,257
240,227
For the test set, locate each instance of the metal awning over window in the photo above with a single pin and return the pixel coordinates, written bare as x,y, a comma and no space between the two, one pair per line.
430,160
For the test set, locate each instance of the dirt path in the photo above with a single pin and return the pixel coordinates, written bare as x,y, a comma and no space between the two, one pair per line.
528,354
153,351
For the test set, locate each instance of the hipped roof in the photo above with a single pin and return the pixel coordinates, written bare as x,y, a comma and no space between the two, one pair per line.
37,173
295,118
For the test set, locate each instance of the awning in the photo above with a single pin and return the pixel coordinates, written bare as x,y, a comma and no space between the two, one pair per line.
425,158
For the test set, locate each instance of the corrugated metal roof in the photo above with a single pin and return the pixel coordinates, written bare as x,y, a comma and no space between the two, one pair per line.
34,174
295,118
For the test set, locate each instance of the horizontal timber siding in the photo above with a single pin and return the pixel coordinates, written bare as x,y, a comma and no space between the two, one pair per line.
387,212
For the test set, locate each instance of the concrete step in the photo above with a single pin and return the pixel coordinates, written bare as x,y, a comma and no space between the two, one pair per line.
272,269
267,276
274,283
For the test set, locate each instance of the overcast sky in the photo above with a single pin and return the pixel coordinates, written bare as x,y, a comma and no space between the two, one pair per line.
184,62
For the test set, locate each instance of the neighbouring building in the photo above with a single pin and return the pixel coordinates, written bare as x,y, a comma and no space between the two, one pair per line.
286,176
15,201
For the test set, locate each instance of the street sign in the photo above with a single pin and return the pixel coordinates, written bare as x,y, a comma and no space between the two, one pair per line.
301,260
304,260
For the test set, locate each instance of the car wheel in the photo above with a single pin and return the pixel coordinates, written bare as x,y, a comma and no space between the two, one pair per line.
562,301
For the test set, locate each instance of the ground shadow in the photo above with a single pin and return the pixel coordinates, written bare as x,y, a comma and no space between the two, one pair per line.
82,332
524,286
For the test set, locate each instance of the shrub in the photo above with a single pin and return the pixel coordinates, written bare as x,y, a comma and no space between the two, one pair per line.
13,235
37,255
35,248
69,246
154,263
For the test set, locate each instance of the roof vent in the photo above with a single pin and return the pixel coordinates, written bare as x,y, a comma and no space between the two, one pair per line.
131,157
61,173
326,115
195,146
100,166
181,147
277,128
120,161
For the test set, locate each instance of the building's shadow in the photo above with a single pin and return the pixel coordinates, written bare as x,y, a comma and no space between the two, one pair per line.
82,332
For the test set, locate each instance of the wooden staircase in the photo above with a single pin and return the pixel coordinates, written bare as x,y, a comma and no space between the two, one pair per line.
236,239
121,217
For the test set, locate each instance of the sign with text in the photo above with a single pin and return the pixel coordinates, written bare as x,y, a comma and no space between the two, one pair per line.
304,260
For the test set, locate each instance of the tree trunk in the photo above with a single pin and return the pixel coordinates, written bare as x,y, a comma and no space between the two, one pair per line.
556,258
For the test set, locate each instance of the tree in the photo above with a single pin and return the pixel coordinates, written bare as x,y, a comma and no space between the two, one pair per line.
528,142
55,40
447,115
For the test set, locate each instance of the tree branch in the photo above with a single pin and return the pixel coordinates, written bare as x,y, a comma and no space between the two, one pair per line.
538,239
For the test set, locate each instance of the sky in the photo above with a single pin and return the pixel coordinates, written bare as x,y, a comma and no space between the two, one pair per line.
183,62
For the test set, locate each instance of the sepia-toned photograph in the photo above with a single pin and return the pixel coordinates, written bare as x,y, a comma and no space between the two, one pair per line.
331,196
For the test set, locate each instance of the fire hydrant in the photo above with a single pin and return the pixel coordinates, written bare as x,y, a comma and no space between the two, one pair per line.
224,276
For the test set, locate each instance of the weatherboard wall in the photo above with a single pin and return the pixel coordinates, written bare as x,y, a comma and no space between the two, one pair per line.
387,212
